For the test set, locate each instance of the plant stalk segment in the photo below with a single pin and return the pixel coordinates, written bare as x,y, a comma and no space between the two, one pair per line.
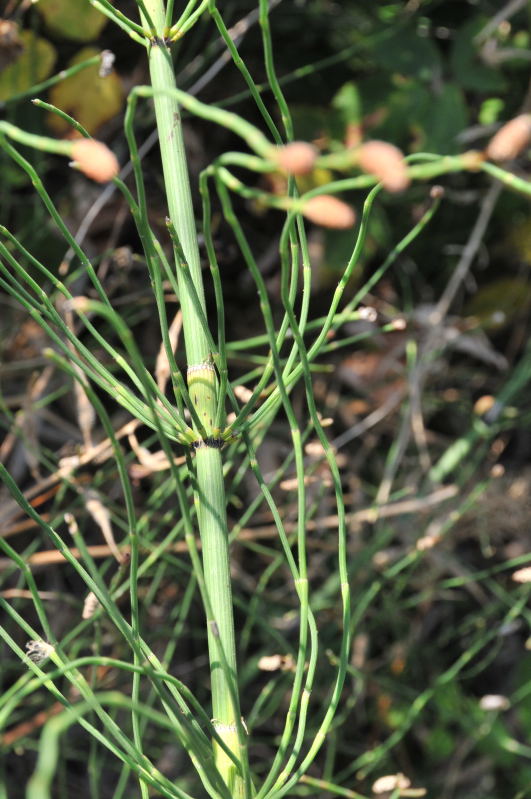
203,389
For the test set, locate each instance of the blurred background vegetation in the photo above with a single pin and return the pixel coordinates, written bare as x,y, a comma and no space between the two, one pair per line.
440,682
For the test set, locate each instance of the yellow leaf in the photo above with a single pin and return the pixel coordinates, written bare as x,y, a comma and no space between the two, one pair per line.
73,19
91,100
519,240
500,302
32,66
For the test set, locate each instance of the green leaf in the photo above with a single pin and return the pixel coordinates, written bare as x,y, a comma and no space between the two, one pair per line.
440,743
440,120
347,102
413,117
393,107
409,54
33,65
312,121
72,19
490,110
469,71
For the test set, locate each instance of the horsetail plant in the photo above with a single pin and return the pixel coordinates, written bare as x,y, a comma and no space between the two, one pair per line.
219,451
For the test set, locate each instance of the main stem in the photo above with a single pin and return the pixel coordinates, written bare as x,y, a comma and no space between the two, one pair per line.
203,388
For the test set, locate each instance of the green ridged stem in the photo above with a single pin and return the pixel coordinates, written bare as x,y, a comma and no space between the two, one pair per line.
209,489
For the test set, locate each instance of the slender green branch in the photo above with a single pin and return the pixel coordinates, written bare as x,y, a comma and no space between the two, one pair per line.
133,30
187,20
58,78
62,115
241,66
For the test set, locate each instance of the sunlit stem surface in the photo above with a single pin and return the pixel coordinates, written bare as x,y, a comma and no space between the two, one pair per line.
209,490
